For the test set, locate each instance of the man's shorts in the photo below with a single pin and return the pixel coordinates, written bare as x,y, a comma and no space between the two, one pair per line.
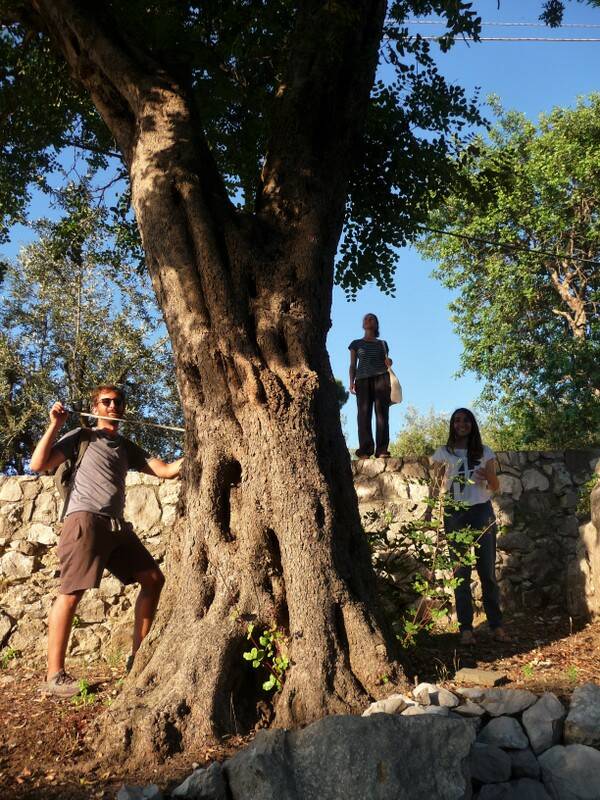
87,546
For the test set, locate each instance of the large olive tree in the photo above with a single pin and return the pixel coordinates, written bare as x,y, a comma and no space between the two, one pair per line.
251,132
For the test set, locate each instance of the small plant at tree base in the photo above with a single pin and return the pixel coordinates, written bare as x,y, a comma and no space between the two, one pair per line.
572,674
528,670
268,652
7,655
76,622
421,564
85,697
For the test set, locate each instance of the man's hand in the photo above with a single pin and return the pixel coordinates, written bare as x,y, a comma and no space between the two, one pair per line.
160,469
58,414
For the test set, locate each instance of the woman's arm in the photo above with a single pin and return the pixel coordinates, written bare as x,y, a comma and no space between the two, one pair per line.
352,371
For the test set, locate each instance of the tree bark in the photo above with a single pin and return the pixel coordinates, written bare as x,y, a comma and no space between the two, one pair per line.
269,529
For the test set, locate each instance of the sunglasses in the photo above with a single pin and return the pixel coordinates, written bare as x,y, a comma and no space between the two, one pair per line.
106,401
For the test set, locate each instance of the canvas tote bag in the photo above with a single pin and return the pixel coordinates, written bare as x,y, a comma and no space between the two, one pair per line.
395,388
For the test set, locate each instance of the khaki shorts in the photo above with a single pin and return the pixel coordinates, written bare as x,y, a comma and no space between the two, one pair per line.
87,546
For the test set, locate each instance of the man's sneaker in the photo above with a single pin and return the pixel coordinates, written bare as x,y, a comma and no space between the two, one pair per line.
61,685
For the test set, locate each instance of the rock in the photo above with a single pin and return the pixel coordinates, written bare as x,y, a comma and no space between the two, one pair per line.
571,772
469,709
91,608
393,704
366,489
489,764
169,515
203,784
142,506
415,711
533,479
504,732
341,757
561,478
435,695
582,725
515,541
523,789
498,702
169,491
474,693
543,722
524,764
150,792
6,626
17,565
44,509
372,468
11,492
41,534
510,485
484,677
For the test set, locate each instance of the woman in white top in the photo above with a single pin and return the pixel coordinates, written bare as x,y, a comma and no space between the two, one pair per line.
469,470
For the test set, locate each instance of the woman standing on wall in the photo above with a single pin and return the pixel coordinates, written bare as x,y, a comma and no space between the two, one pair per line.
370,382
469,470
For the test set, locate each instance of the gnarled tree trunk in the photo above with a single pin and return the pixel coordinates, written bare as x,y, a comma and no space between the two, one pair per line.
270,530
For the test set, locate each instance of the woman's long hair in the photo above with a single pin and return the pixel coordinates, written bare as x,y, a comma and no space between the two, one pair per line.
376,323
474,443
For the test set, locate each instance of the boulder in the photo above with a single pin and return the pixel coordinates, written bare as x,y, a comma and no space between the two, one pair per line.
504,732
489,764
571,772
510,485
499,702
524,764
469,709
393,704
543,722
203,784
142,507
340,757
41,534
417,710
150,792
16,565
11,492
523,789
582,725
436,695
534,479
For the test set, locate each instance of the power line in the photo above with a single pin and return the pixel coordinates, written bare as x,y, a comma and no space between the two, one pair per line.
508,24
503,246
512,39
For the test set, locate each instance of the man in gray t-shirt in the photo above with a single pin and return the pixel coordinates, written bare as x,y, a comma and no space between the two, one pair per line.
95,536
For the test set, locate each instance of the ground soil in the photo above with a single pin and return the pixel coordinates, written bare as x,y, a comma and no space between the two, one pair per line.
46,746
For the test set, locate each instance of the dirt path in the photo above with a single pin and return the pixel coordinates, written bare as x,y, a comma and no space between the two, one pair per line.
45,745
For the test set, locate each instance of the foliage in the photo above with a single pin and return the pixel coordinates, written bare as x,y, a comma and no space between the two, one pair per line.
232,57
585,494
416,563
75,313
529,322
268,653
421,434
85,697
342,394
7,655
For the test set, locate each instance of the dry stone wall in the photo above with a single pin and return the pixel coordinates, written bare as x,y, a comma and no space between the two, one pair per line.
548,556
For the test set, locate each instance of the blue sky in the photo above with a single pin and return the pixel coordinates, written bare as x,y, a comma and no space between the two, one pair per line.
530,77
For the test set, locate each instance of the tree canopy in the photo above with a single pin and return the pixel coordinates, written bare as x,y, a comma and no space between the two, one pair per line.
525,262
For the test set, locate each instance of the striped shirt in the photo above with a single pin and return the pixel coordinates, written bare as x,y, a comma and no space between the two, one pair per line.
370,355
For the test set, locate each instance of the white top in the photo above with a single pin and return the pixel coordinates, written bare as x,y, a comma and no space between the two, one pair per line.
464,490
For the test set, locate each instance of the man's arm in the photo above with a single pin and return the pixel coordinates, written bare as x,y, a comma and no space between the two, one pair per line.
162,469
43,457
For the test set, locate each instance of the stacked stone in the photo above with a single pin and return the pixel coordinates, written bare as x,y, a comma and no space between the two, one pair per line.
548,556
527,747
29,574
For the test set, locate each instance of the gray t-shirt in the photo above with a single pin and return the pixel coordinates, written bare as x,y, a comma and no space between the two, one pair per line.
99,485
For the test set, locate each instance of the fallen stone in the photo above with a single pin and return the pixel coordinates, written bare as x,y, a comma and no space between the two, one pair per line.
416,711
469,709
484,677
543,722
393,704
340,757
150,792
489,764
582,725
504,732
436,695
500,702
524,764
203,784
523,789
571,772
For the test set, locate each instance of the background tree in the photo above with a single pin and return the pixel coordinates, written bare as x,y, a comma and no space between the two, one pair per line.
75,312
528,321
250,132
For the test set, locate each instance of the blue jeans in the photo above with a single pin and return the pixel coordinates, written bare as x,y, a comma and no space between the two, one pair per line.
478,517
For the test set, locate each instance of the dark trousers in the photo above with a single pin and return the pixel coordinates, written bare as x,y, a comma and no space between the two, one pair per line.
373,391
479,517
